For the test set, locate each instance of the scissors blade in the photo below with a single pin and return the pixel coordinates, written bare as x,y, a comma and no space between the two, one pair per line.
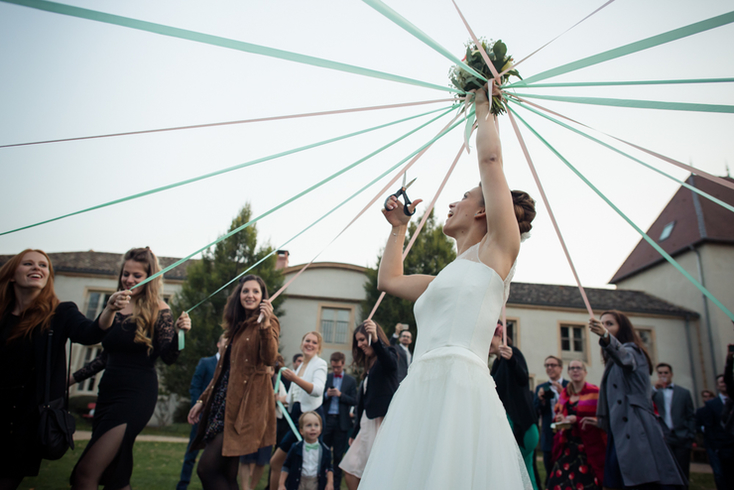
405,187
405,176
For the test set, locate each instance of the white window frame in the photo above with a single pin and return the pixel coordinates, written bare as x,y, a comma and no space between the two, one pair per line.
570,355
100,304
350,325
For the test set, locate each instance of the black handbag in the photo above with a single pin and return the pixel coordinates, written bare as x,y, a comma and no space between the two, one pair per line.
56,425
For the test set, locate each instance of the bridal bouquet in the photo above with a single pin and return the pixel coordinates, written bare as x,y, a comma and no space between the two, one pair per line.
497,52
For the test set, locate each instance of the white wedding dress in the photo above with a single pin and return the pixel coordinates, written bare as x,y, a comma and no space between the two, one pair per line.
446,427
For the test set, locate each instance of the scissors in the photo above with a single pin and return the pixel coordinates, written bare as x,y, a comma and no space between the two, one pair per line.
401,192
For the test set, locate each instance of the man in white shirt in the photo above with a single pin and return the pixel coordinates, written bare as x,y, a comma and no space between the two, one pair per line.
402,338
675,406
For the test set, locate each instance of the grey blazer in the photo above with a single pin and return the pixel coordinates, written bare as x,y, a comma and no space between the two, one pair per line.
625,411
682,413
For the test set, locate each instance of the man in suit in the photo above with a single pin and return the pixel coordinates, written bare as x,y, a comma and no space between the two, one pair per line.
401,339
340,395
202,377
675,406
719,443
545,399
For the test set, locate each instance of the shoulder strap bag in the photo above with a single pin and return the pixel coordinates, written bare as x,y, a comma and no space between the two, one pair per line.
56,425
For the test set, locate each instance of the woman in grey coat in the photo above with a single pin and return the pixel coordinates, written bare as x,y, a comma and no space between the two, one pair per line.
637,456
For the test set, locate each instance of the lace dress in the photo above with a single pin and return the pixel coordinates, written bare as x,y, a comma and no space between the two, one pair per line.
446,426
128,391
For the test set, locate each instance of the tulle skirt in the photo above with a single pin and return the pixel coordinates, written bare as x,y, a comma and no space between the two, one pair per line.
446,428
356,457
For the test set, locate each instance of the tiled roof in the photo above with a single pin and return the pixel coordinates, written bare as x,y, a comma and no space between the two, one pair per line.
629,301
102,263
696,220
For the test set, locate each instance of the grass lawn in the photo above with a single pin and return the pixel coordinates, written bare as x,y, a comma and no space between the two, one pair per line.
158,465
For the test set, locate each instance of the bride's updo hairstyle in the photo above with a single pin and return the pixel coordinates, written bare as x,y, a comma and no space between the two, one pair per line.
524,210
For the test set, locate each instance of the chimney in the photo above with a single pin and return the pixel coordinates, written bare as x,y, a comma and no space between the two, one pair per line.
282,261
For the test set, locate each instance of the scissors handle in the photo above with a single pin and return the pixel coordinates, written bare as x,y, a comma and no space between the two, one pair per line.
408,202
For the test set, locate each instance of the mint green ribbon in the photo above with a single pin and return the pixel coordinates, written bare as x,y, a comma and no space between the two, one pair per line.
412,29
291,199
220,172
634,47
644,235
163,30
639,104
606,145
630,82
283,410
369,184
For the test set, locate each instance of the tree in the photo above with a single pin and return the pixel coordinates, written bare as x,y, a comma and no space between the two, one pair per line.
229,258
431,252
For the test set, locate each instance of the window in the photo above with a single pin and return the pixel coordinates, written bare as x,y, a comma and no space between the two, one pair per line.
512,331
335,325
666,231
96,301
648,338
573,342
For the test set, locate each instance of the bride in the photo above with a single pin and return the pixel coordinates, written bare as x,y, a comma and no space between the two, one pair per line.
446,426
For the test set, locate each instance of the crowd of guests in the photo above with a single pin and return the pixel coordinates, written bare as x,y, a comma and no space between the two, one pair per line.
627,432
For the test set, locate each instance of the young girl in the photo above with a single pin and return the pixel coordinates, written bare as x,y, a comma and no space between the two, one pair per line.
380,364
29,312
237,410
128,392
308,464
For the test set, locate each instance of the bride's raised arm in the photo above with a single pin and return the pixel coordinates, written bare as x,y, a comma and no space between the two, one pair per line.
390,277
502,243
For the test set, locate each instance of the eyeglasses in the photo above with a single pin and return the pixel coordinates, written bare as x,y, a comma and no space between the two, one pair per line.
550,365
575,368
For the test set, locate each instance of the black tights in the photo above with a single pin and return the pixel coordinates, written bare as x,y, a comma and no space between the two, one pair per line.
95,461
215,471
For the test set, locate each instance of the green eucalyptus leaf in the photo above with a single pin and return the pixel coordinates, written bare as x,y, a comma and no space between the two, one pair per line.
500,50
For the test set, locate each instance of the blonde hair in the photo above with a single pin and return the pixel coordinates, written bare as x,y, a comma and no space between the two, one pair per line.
145,304
318,337
302,418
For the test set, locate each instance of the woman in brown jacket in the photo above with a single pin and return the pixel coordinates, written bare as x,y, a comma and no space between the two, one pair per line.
238,407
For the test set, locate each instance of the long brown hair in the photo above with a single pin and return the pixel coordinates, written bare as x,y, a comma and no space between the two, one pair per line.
43,307
627,333
235,315
145,303
359,358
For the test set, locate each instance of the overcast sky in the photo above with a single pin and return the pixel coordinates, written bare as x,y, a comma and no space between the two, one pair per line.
65,77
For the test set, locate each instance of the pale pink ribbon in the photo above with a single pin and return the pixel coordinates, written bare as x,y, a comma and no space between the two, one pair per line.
422,222
550,212
243,121
682,165
497,76
369,204
555,38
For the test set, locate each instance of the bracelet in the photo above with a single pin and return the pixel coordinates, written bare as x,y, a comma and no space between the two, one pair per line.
606,335
199,401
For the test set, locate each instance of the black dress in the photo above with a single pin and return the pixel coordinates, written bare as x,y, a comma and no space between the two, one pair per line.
128,391
22,382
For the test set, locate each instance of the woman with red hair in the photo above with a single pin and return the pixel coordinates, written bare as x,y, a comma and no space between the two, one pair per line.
31,317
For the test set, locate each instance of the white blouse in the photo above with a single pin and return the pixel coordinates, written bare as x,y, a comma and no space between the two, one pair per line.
315,373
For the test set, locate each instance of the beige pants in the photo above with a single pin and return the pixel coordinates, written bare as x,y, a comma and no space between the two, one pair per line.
309,483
